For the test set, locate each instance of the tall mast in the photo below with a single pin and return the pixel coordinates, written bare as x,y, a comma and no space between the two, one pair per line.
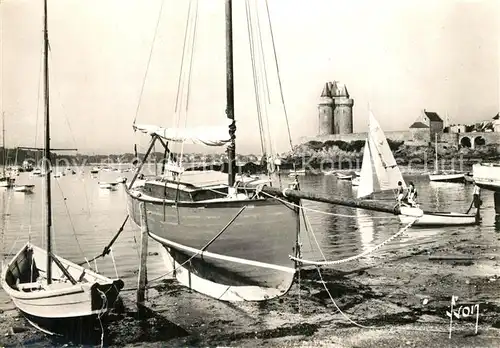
3,144
47,163
436,166
231,149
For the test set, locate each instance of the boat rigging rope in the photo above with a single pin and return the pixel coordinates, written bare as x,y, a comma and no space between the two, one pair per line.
279,77
149,61
107,248
202,250
255,77
184,80
70,220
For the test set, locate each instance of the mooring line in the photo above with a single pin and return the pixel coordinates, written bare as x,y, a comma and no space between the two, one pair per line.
200,252
355,257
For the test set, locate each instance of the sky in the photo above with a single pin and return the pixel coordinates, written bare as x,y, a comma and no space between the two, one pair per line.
395,57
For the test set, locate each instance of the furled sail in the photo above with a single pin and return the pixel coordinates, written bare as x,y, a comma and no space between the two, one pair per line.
208,136
379,170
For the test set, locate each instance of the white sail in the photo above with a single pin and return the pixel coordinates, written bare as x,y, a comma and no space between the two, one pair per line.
379,170
387,169
366,186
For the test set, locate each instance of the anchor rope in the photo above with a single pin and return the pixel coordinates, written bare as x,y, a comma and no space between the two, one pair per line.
355,257
320,211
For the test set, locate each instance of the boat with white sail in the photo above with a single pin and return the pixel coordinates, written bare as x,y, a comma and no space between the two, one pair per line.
220,236
380,172
49,290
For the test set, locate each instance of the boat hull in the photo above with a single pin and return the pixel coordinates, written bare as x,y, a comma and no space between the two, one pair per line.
24,188
92,295
429,219
249,261
487,176
457,178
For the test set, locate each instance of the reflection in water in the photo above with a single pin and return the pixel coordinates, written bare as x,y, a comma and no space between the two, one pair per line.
345,236
442,192
366,230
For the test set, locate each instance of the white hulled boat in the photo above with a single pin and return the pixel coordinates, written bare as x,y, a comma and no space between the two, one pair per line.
50,291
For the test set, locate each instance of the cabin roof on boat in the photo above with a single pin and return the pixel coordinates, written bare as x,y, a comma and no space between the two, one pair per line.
196,179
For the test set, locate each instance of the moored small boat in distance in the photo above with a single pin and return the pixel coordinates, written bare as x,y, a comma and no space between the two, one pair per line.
447,177
108,185
429,219
7,182
24,188
341,176
443,176
36,172
121,180
297,172
94,170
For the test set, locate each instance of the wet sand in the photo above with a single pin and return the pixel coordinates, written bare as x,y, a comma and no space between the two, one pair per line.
400,300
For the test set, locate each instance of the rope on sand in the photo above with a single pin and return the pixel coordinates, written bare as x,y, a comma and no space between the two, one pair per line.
355,257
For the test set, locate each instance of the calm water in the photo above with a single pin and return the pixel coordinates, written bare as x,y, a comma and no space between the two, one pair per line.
86,217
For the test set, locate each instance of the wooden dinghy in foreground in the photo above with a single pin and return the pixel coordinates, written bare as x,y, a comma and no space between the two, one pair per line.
427,218
75,292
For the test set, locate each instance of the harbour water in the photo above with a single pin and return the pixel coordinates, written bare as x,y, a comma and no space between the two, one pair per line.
86,218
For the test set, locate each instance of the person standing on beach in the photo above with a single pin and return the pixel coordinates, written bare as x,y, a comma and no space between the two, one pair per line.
476,202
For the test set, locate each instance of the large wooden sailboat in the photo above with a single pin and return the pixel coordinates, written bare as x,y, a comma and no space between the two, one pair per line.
50,291
221,237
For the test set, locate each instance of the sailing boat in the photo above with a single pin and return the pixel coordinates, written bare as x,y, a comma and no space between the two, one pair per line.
443,176
47,289
380,172
5,180
379,169
220,238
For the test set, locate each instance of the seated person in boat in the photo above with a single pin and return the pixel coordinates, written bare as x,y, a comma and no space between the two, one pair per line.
401,194
412,194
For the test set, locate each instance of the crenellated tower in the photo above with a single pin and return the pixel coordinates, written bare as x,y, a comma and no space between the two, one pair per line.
335,110
325,108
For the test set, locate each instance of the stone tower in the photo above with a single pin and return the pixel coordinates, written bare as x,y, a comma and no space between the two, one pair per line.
335,109
325,108
342,112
